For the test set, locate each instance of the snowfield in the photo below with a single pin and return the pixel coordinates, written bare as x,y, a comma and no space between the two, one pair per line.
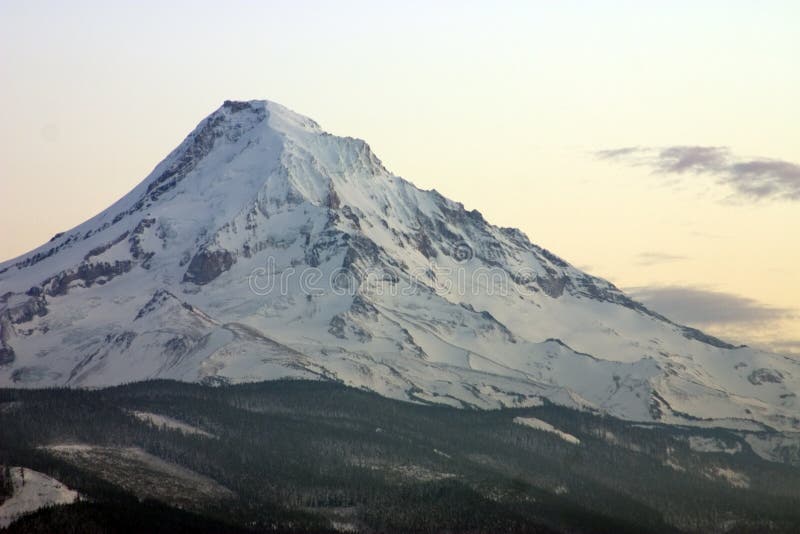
32,491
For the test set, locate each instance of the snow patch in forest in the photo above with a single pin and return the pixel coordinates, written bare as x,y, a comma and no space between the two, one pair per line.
169,422
32,491
142,473
775,447
538,424
734,478
672,464
703,444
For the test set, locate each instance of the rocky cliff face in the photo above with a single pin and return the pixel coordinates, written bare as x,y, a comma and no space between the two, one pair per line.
263,247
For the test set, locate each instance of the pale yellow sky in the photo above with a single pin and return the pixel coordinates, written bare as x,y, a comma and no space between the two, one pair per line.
499,107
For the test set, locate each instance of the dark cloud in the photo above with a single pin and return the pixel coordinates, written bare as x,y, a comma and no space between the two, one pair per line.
702,307
654,258
754,178
767,178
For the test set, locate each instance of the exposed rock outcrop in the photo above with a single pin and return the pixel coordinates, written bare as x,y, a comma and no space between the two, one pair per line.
88,273
207,265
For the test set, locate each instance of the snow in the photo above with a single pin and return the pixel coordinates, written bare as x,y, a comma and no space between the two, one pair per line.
544,426
169,422
71,448
770,446
140,472
32,491
672,464
285,199
704,444
729,476
442,454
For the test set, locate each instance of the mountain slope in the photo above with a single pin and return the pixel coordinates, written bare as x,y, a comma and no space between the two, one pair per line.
263,247
314,456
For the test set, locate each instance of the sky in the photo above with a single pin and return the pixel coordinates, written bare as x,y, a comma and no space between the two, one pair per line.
654,144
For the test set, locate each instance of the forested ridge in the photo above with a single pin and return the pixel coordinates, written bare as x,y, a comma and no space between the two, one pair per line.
305,456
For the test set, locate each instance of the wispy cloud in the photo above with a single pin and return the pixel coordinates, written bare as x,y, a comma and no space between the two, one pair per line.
703,307
788,346
753,178
655,258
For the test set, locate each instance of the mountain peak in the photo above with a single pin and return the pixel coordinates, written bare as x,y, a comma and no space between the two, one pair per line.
263,247
281,118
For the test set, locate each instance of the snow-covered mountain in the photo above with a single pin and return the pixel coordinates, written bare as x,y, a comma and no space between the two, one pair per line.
263,247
